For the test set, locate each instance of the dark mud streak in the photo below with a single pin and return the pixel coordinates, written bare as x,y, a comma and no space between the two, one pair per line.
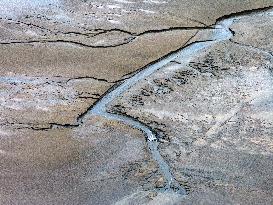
174,61
232,31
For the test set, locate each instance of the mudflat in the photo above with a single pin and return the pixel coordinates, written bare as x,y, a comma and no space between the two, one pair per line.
209,109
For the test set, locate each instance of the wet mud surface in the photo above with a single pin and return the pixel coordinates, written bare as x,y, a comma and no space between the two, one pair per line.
195,130
212,114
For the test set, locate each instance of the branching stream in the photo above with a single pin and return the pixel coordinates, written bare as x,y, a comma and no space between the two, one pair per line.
220,33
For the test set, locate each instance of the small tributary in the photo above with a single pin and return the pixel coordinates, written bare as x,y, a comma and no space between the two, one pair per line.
220,33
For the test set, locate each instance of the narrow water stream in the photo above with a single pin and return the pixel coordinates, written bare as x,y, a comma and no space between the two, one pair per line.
220,33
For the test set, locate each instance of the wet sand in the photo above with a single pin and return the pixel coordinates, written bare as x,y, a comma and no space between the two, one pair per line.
212,115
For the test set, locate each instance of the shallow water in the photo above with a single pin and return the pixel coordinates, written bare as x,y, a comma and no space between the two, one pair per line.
221,33
184,54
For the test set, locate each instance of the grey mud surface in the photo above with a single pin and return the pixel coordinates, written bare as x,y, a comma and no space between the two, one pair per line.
212,115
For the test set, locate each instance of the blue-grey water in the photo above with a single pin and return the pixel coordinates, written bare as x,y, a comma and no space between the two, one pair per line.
185,55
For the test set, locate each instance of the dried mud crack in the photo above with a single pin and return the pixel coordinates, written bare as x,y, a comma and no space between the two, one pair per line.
127,40
222,33
99,108
75,107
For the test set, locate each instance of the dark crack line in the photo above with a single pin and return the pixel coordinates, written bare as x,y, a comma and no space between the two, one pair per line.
102,111
80,120
94,78
88,77
96,32
132,37
87,34
36,126
174,29
188,18
104,31
243,13
31,126
66,41
58,125
134,34
64,79
185,45
129,75
88,97
194,20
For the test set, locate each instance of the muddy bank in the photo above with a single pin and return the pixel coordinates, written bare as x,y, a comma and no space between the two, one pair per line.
212,113
58,59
